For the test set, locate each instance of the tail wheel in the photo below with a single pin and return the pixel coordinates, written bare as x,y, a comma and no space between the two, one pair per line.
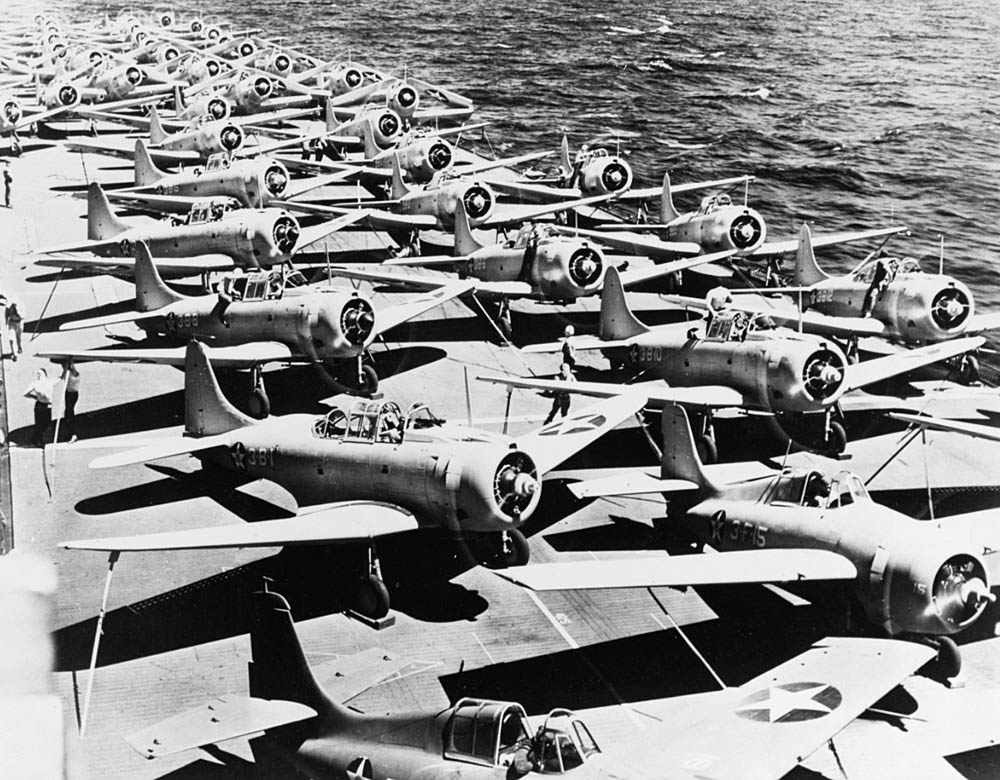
372,597
836,438
367,381
259,403
708,450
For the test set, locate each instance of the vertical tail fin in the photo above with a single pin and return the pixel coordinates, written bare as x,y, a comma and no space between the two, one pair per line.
150,291
565,164
668,212
807,270
617,320
279,669
206,410
399,188
179,103
680,453
146,171
465,242
157,135
371,148
102,222
332,123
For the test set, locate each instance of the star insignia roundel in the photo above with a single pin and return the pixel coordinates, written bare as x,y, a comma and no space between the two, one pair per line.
790,702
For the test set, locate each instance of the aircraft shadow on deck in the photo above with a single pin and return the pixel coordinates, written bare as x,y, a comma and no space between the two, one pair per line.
52,324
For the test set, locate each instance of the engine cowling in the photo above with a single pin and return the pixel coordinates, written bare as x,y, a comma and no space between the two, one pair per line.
403,99
230,138
425,158
217,107
275,179
605,175
166,18
738,228
931,308
568,268
927,586
285,233
343,326
803,375
497,490
246,48
478,200
11,111
61,95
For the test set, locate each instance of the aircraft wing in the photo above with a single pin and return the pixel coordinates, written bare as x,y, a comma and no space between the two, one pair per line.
788,314
314,233
419,281
423,115
675,571
236,356
533,191
560,439
646,193
168,267
633,482
635,276
346,521
110,319
792,245
511,213
390,316
224,718
656,393
635,243
377,218
168,448
160,156
764,728
937,424
861,374
979,323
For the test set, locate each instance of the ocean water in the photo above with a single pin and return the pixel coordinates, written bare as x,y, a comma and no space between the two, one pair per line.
851,114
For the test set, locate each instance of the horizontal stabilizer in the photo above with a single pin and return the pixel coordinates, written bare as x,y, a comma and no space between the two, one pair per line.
349,521
636,482
861,374
351,675
224,718
389,317
167,449
675,571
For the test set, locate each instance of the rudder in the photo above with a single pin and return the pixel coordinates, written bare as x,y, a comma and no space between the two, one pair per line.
680,454
146,171
150,291
617,320
465,242
668,212
206,410
807,271
102,222
157,135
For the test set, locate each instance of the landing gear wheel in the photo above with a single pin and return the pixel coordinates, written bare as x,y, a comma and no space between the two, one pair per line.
259,403
372,598
506,327
708,451
947,664
836,438
367,381
968,370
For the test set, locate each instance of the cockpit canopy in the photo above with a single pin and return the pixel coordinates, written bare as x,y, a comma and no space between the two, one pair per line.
492,732
218,162
210,211
712,203
374,421
254,286
735,325
865,273
814,489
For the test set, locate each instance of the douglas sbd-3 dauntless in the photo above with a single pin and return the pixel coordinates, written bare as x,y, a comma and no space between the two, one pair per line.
761,729
732,360
923,579
259,323
373,471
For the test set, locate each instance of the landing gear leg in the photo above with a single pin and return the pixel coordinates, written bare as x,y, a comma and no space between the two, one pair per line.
372,597
708,450
504,319
947,665
498,551
367,377
968,369
835,435
260,404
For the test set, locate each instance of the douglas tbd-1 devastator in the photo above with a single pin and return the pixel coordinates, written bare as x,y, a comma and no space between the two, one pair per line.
762,729
732,360
256,322
373,470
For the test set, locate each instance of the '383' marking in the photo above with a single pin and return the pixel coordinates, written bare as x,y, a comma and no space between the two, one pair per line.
245,457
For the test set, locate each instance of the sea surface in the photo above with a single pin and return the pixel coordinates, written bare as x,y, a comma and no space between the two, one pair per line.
850,114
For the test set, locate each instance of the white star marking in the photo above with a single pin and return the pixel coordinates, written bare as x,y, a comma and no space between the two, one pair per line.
780,702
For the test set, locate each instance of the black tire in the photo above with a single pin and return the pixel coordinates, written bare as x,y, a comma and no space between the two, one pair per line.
968,370
506,328
949,658
708,451
368,381
516,552
372,599
836,440
259,403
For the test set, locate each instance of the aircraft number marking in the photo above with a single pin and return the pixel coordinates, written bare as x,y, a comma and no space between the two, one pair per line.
176,322
821,296
247,457
737,531
645,354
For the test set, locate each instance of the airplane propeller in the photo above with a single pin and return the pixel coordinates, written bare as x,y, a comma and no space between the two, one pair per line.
745,231
231,138
286,233
950,308
960,591
823,374
275,179
515,483
217,108
585,266
439,155
357,321
477,201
